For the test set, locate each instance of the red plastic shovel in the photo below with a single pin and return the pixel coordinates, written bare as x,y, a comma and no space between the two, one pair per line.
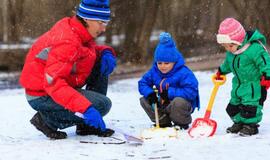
206,127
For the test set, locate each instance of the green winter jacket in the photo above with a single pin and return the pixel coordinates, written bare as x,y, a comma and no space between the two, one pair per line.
248,68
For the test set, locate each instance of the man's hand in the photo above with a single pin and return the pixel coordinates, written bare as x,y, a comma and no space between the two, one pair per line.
93,118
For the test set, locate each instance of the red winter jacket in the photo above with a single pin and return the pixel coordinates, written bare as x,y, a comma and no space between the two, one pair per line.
59,62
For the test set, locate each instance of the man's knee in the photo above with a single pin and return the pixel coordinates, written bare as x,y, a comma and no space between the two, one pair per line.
106,104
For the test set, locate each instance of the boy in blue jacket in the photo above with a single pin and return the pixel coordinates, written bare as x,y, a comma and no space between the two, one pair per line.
178,93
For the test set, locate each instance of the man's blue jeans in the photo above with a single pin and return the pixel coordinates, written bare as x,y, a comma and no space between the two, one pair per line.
57,117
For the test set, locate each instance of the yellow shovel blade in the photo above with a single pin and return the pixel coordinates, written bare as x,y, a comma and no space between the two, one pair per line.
158,133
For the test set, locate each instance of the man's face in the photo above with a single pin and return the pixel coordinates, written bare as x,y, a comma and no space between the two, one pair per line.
96,28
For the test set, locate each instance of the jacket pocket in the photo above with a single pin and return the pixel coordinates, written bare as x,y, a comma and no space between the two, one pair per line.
252,90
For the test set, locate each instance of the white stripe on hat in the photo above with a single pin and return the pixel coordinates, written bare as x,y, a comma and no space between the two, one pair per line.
238,30
95,19
93,10
224,38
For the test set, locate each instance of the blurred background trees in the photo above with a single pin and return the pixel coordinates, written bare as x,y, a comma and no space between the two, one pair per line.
136,24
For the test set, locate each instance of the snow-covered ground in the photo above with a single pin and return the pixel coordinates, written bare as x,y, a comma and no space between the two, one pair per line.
20,140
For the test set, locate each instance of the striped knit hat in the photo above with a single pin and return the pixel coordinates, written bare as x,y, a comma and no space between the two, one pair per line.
231,31
94,10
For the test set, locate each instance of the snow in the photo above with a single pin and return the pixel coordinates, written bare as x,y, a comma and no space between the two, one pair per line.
14,46
201,129
20,140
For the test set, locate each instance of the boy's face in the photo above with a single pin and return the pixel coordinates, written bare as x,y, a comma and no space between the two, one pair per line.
165,67
230,47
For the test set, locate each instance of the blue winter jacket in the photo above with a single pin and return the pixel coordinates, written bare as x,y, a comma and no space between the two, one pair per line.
182,83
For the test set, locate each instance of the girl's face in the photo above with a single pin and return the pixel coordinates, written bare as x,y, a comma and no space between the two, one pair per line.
230,47
165,67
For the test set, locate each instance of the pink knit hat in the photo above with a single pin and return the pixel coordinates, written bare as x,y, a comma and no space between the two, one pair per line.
231,31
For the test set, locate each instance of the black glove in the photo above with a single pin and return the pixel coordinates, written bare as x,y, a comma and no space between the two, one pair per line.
152,98
164,98
107,133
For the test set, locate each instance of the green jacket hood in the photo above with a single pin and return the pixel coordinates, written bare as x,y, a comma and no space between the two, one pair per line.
252,36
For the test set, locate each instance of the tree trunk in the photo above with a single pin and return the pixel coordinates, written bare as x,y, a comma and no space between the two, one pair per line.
15,15
5,20
143,39
130,21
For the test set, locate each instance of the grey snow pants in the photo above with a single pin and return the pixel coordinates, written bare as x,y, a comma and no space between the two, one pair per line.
178,111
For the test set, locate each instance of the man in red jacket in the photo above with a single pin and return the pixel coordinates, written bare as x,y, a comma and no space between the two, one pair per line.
60,63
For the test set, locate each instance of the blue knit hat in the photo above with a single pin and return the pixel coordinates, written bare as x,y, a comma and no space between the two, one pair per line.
166,50
94,10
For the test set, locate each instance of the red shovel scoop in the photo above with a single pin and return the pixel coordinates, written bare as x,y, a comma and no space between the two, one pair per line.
206,127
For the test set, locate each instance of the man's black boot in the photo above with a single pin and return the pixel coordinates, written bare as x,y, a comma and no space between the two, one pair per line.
45,129
83,130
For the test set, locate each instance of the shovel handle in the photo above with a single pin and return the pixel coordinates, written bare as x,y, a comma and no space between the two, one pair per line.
156,116
217,83
156,109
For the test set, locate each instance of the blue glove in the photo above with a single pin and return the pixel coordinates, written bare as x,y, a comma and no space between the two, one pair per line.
108,62
93,118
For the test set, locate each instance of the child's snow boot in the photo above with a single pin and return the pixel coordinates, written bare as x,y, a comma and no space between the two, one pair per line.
45,129
249,130
235,128
183,126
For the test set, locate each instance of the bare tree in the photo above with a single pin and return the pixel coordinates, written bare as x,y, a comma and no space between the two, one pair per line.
193,23
254,14
145,30
5,20
12,11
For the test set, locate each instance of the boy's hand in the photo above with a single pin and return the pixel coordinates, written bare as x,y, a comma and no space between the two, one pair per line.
165,98
265,82
152,98
164,95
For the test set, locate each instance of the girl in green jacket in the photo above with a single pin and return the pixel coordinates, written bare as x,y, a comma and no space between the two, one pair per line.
248,60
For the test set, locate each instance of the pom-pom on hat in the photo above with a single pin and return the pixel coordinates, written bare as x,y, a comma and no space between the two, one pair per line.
166,50
94,10
231,31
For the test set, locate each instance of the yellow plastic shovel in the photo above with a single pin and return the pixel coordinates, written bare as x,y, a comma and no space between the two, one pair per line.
206,127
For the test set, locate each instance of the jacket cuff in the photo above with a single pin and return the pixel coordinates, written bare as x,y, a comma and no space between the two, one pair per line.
101,48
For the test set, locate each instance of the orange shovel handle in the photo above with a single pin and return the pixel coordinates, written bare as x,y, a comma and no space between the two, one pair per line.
217,83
